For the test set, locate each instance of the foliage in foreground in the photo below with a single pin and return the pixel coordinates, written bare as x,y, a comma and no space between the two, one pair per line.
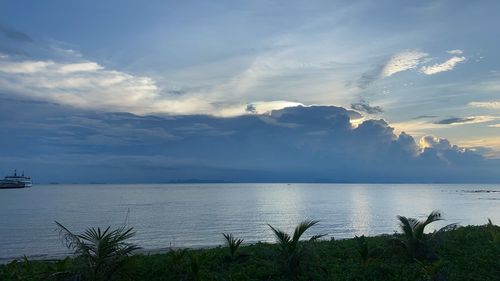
467,253
418,245
290,248
103,252
233,244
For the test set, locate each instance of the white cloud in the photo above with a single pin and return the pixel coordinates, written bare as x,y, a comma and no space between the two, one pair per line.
403,61
441,67
494,126
87,84
259,107
24,67
486,104
431,141
455,52
80,67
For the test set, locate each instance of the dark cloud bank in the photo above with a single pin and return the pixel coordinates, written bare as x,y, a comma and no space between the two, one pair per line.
299,144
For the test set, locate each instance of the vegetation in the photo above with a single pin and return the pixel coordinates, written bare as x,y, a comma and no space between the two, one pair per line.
366,253
414,239
463,253
233,244
102,252
289,247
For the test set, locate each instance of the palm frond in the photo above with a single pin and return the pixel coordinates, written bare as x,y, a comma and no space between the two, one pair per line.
233,243
413,231
420,225
104,250
70,240
289,245
318,236
301,228
282,237
406,226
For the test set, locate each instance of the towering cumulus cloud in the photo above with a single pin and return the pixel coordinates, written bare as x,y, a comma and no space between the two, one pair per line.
319,143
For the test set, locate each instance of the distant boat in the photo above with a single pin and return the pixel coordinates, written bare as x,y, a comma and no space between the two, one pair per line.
16,181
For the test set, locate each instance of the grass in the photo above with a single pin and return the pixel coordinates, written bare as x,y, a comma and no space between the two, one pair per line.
466,253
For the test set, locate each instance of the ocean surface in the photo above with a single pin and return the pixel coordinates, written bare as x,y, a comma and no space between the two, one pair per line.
195,215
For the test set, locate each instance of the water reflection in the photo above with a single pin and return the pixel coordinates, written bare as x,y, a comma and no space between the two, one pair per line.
361,216
280,205
196,215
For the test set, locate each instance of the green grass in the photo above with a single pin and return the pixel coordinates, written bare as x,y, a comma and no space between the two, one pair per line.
465,253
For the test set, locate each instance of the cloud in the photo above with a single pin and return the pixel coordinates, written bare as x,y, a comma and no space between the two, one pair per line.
455,120
82,84
455,52
431,141
489,145
486,104
466,120
442,67
364,106
251,108
421,126
370,76
403,61
257,107
87,84
14,34
54,71
316,143
425,117
25,67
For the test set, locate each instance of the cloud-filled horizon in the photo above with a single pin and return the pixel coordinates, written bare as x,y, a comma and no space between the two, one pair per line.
429,69
57,143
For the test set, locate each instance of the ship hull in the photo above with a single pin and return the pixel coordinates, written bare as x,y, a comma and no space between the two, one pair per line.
12,185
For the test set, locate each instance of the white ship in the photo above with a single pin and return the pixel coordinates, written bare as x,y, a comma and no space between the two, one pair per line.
16,181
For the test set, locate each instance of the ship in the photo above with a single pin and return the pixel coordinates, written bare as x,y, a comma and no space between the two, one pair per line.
16,181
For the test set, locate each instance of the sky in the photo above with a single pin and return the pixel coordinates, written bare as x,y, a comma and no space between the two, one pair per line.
200,88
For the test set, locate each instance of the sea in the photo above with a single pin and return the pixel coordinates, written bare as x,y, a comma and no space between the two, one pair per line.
195,215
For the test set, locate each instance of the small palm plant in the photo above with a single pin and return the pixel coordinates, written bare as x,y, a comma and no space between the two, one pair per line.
413,232
289,245
104,252
233,243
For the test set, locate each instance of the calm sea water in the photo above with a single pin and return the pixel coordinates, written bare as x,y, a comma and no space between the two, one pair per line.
195,215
